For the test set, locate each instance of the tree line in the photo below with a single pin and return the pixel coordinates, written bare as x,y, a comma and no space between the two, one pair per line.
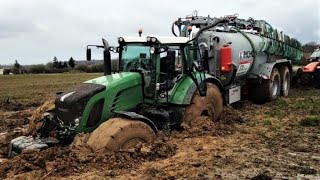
57,66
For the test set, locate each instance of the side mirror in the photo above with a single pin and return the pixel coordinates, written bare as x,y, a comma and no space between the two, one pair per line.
88,54
206,60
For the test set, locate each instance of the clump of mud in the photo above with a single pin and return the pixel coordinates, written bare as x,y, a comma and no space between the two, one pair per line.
204,125
78,158
38,114
13,124
231,116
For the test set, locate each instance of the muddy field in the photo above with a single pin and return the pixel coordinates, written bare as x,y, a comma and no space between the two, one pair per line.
277,140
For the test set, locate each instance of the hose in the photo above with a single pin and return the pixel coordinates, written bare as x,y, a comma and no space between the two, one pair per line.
252,45
210,26
172,28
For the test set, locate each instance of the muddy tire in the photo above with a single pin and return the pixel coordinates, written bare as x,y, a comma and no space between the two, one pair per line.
272,86
307,79
211,105
268,90
120,133
296,79
285,80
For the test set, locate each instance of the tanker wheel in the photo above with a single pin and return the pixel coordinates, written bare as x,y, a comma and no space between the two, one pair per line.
307,79
296,80
120,133
210,105
285,80
272,86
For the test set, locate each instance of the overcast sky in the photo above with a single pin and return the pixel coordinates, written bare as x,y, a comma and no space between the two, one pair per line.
34,31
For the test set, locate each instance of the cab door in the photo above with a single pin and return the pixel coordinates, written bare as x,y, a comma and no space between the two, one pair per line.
195,66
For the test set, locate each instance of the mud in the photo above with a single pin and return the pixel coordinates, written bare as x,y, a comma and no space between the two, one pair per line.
78,159
11,105
248,142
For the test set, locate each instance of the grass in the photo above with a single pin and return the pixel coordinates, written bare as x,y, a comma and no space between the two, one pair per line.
267,122
299,103
31,88
310,121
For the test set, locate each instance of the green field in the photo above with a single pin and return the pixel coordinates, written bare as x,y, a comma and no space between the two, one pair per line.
37,88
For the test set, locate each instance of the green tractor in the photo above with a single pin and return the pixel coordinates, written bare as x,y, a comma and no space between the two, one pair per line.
161,82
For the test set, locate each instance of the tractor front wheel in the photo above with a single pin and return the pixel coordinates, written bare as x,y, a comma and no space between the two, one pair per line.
120,133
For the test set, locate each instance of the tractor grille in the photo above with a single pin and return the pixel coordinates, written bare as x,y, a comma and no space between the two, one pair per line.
95,114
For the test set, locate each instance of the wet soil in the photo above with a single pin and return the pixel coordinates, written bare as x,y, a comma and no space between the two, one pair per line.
248,142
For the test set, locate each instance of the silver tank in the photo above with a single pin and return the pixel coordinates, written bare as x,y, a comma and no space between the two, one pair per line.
246,59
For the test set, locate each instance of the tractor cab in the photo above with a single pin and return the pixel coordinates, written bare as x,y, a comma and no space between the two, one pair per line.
161,62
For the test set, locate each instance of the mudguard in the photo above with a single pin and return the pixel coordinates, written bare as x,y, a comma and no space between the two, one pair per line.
139,117
185,88
265,69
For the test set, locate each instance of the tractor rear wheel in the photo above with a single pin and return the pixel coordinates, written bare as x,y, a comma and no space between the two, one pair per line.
120,133
210,105
285,80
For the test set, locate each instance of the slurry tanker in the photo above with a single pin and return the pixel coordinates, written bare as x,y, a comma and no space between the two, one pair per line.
244,54
164,81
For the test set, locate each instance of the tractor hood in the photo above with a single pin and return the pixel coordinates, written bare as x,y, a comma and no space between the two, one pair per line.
119,79
71,104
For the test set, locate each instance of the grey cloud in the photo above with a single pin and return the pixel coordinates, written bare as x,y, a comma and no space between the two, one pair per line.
63,28
13,27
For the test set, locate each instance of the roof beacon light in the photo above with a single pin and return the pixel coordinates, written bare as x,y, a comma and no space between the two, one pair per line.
153,39
140,32
121,39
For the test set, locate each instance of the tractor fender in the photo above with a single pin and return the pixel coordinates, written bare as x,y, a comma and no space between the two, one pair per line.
183,92
265,69
216,82
137,117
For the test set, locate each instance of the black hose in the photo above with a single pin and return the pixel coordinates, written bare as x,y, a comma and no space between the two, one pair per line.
172,28
210,26
252,46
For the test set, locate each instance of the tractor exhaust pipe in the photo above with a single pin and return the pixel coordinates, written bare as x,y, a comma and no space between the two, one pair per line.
107,62
106,57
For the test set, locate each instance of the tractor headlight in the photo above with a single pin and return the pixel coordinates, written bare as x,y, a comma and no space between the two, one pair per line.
77,122
148,39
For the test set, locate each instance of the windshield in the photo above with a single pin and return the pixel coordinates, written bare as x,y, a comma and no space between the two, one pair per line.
134,56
